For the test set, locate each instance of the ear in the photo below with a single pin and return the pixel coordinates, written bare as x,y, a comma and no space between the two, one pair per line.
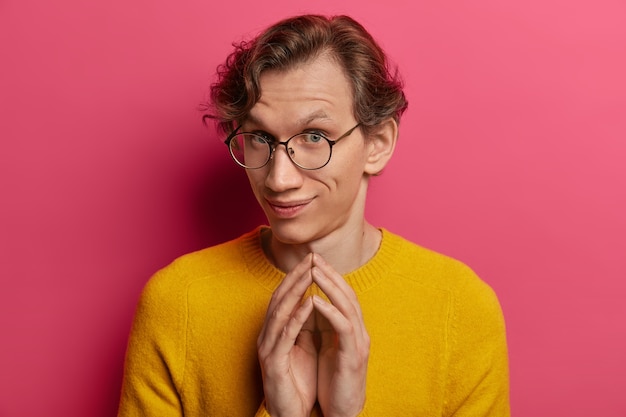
381,144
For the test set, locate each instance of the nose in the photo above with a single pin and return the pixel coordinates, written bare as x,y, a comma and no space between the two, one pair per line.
282,174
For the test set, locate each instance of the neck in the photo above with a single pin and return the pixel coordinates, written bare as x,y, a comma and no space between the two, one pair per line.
346,250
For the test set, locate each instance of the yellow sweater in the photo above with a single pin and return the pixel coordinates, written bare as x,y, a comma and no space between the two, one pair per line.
438,345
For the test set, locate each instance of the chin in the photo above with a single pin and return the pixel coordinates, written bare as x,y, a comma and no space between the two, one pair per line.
291,233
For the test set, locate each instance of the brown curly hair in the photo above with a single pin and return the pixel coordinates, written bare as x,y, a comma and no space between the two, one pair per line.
377,91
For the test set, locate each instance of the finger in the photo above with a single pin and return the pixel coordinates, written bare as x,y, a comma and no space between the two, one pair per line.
296,331
340,294
291,278
280,312
334,277
285,299
335,323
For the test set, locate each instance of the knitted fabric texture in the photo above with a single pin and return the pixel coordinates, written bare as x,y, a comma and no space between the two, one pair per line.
438,344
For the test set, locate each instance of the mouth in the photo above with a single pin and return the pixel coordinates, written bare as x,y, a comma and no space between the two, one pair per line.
287,209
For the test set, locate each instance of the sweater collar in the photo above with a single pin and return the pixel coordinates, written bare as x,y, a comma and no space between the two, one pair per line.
361,279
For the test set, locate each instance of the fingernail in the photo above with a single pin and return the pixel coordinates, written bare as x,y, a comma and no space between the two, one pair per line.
317,272
318,300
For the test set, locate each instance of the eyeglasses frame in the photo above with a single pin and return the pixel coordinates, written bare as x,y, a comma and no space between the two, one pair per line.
274,144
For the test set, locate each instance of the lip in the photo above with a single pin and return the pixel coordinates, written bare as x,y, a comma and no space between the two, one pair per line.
287,209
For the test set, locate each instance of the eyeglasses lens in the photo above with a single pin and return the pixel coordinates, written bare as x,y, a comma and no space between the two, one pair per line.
307,150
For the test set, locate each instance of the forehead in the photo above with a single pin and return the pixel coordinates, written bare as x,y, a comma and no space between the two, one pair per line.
315,90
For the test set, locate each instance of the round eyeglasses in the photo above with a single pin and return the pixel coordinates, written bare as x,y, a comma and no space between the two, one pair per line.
308,150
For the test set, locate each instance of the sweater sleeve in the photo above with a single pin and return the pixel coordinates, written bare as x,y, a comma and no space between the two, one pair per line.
478,379
155,355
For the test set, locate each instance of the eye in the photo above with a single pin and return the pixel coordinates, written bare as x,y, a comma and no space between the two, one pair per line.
260,138
313,137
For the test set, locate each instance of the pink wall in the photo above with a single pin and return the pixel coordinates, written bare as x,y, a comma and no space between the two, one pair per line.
511,158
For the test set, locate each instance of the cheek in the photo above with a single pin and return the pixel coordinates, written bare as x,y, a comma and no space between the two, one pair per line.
349,169
255,178
343,180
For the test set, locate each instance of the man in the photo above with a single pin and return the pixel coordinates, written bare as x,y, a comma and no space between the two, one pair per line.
320,313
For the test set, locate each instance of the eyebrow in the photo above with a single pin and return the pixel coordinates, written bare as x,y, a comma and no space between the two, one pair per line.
320,114
317,115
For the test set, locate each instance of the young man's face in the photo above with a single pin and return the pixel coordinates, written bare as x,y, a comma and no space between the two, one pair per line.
306,206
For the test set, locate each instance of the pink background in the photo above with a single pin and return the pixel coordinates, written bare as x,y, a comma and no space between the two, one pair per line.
511,158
